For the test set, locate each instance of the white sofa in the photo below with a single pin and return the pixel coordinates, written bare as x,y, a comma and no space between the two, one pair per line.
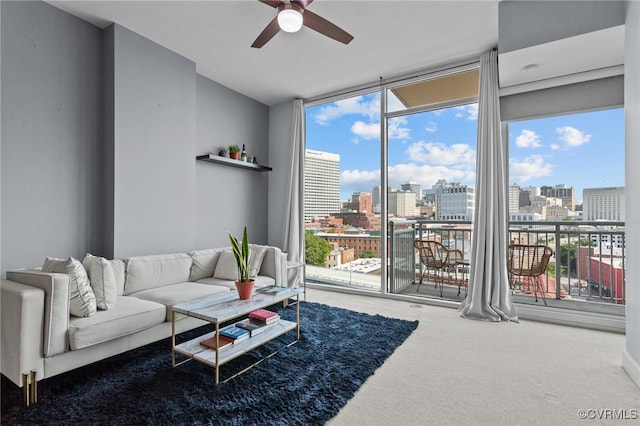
39,333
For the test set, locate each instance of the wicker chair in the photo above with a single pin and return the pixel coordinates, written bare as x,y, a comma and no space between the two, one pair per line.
437,259
528,262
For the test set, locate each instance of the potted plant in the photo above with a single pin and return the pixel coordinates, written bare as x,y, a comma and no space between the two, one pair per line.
241,252
234,152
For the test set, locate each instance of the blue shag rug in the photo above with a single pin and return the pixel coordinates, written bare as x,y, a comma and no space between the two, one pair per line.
305,384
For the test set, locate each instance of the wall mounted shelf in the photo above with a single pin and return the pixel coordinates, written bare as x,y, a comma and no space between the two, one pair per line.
212,158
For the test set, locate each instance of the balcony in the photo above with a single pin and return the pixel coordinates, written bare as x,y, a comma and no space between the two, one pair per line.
586,272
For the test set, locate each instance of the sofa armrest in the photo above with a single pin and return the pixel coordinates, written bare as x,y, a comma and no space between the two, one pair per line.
274,265
55,339
21,316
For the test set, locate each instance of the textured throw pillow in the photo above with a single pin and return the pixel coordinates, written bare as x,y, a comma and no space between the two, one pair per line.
226,268
102,280
255,259
204,263
82,301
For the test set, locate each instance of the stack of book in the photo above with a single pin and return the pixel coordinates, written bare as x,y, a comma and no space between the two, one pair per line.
228,336
273,289
254,326
234,333
264,315
221,342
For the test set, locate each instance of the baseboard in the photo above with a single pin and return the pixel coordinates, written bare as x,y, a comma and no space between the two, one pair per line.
631,367
573,318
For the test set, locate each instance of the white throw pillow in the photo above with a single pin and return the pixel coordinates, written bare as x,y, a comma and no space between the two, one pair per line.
226,268
204,263
82,301
255,259
102,280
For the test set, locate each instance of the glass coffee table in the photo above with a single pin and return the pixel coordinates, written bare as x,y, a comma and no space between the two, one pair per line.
217,310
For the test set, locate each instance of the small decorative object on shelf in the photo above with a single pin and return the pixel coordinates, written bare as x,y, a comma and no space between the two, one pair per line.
243,154
234,152
223,153
254,160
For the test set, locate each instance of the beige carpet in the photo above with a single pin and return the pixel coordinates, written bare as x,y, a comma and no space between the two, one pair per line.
455,371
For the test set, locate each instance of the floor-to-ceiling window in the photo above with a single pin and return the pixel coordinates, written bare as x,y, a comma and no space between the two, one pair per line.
426,149
567,192
431,161
342,192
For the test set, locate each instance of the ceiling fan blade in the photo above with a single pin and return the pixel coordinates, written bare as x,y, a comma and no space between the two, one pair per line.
321,25
272,3
267,34
302,3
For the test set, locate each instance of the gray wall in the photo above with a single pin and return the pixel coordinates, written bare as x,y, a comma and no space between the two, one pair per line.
51,135
228,197
154,117
100,130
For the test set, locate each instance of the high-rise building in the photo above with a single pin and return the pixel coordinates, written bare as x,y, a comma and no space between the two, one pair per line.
567,195
603,204
321,184
413,187
361,202
454,201
514,198
375,199
402,203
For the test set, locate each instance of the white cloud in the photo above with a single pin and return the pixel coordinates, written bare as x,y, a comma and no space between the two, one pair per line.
469,111
528,168
555,146
431,127
372,130
528,139
355,180
441,154
366,131
572,137
427,175
396,129
356,105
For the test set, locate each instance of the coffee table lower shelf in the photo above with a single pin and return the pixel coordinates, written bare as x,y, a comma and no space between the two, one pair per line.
194,350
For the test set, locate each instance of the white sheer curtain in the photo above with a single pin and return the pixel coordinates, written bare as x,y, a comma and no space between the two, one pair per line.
489,296
293,239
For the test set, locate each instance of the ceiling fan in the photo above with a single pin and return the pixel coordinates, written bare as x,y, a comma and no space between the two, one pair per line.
292,14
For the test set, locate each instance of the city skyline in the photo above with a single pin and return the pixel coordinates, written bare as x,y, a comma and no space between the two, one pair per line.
583,150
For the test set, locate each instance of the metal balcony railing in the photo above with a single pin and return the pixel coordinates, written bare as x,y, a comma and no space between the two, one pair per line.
588,263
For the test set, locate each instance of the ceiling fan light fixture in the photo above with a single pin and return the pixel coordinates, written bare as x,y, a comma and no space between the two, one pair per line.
289,18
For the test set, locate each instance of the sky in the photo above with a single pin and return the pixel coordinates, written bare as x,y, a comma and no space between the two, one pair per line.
583,150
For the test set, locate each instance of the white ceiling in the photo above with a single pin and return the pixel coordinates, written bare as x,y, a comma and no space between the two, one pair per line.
391,39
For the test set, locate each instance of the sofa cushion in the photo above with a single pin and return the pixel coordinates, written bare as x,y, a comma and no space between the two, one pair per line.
128,315
173,294
227,267
82,301
204,263
102,280
259,282
118,271
255,259
145,272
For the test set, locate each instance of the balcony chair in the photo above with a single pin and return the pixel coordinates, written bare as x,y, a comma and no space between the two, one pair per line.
439,259
528,262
